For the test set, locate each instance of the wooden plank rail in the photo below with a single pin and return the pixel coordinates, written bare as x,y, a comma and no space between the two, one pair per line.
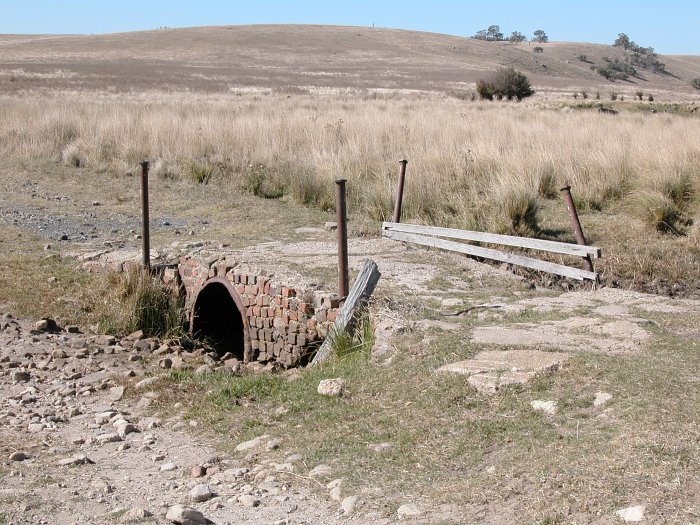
506,240
488,253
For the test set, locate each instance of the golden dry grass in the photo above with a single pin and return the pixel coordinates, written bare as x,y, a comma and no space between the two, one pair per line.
472,154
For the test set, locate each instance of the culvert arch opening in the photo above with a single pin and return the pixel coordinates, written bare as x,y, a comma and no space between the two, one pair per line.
217,318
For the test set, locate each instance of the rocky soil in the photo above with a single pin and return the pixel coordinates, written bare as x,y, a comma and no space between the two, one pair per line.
79,445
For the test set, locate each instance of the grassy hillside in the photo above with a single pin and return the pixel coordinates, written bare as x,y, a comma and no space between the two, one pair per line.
292,58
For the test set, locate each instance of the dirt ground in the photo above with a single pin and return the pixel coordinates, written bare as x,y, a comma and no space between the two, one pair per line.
82,437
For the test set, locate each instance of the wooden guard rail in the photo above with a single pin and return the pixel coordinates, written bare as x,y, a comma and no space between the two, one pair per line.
430,236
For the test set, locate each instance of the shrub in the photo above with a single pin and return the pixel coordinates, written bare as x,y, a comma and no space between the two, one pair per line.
507,83
583,58
486,90
695,83
613,96
597,95
639,95
650,98
584,95
538,49
575,95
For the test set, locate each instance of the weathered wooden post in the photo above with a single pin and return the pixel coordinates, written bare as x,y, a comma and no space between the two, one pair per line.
341,218
145,232
362,290
576,224
399,190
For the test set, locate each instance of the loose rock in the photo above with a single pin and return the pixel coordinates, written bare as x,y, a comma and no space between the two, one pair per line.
200,493
183,515
632,514
331,387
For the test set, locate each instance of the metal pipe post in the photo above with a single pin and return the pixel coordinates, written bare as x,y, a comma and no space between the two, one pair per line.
341,218
576,224
145,232
399,190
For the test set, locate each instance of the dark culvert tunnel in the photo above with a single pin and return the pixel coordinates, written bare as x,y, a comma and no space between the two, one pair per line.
217,319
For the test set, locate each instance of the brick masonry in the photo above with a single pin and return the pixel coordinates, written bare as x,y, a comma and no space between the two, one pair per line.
282,323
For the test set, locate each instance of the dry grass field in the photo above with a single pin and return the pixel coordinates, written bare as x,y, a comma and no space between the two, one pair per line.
247,128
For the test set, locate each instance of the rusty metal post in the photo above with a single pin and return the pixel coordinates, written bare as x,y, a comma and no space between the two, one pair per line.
341,218
399,190
576,224
145,232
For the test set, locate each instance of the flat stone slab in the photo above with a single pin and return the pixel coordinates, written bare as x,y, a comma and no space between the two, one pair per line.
592,334
490,370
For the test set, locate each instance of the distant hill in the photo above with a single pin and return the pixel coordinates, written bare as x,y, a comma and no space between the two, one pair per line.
295,58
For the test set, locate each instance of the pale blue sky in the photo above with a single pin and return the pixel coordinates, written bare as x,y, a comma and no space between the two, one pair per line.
669,27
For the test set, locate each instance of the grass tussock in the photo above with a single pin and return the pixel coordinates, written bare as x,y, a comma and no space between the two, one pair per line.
461,155
140,301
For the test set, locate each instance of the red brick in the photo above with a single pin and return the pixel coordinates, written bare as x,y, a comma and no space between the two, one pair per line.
292,316
332,315
288,292
240,289
249,311
256,311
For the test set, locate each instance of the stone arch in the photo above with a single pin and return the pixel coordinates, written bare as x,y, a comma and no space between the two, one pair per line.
218,316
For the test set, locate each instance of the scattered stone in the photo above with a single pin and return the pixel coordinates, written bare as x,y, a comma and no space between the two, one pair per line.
78,459
183,515
248,500
336,493
330,226
104,417
331,387
200,493
149,381
58,354
380,447
198,471
251,444
168,467
103,439
203,370
41,325
348,505
124,428
18,456
408,510
321,471
601,398
632,514
116,393
548,407
136,514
